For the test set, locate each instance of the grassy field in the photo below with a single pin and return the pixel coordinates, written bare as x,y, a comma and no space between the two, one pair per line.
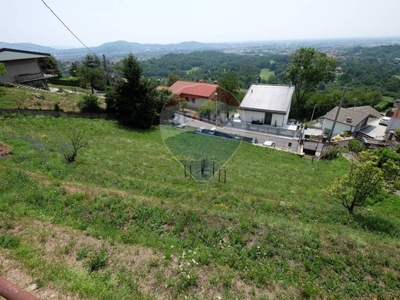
26,99
191,149
123,222
265,74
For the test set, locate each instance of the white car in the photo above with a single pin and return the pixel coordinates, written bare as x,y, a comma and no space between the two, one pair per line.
384,121
269,144
236,118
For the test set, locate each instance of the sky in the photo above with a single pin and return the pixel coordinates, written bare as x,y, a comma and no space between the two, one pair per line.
96,22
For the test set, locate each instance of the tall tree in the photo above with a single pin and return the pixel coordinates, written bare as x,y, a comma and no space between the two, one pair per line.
73,69
50,65
135,99
306,70
230,83
172,78
91,72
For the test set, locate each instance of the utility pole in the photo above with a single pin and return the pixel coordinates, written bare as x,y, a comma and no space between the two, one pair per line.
312,115
107,69
216,108
337,115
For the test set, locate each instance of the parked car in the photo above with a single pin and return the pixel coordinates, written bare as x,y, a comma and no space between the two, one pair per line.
236,118
269,143
384,121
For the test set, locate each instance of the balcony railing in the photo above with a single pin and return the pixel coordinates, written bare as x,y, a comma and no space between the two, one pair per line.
28,77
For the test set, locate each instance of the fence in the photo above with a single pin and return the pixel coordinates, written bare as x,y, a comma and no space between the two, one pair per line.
204,170
264,129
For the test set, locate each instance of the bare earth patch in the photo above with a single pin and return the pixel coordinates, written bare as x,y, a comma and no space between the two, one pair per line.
4,150
12,271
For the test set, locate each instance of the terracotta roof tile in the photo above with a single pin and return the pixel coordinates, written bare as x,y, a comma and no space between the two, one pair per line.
196,89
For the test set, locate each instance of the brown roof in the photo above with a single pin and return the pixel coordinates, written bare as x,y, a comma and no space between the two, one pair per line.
345,114
195,89
372,112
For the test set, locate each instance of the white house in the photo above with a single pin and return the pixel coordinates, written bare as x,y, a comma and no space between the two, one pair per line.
267,104
348,120
22,67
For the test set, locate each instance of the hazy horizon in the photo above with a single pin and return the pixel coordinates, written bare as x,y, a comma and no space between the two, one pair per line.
98,22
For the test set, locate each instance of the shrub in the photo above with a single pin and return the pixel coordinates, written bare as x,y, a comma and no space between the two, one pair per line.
89,104
57,107
332,152
356,146
97,260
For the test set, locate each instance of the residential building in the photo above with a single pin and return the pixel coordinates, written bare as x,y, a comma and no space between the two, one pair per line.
349,119
22,67
195,93
267,104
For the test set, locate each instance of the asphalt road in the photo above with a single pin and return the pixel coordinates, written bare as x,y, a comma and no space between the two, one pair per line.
281,142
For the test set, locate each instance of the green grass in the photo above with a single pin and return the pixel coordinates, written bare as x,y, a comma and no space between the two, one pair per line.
25,99
191,149
193,69
265,74
397,76
71,88
271,227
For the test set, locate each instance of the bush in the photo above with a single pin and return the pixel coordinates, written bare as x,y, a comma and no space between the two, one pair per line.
332,152
97,260
89,104
57,107
356,146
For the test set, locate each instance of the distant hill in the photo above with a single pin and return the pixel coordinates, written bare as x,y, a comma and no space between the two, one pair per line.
120,49
117,48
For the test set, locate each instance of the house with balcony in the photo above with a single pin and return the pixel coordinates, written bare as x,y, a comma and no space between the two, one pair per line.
22,67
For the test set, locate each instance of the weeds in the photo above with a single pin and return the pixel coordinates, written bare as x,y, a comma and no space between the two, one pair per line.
271,225
9,241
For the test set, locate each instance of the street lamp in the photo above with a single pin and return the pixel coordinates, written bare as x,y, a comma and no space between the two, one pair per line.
216,108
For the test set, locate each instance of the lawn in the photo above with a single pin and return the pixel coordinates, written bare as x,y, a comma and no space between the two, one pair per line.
123,222
265,74
194,150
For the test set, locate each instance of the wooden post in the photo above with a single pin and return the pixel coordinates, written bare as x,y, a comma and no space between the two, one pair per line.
10,291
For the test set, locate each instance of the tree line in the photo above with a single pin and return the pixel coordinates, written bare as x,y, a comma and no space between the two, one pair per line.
369,73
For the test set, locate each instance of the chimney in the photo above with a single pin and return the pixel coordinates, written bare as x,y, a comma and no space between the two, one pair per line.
349,119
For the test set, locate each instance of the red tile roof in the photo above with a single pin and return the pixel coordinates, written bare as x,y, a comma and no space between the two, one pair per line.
194,89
